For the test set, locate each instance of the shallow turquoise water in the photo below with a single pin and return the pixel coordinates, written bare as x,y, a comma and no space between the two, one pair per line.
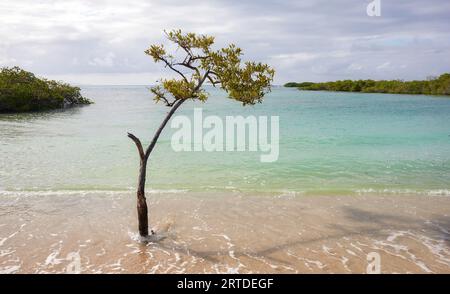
330,143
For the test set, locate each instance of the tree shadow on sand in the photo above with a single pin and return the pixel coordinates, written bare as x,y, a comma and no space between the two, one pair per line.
364,224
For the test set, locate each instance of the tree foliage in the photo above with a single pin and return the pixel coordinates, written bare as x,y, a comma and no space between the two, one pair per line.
22,91
246,82
431,86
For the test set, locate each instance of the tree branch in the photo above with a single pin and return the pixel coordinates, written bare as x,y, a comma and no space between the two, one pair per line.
138,144
188,65
213,82
166,101
174,69
161,127
213,73
177,103
199,57
201,81
186,50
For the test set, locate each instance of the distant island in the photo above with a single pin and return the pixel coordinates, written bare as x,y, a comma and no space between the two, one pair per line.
432,86
22,91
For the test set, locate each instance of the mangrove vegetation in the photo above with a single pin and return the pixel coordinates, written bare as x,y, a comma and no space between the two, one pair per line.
22,91
432,86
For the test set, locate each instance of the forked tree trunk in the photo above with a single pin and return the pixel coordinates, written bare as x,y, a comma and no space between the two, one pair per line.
142,209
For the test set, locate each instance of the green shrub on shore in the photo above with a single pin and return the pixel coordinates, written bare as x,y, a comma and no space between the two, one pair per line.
432,86
297,85
22,91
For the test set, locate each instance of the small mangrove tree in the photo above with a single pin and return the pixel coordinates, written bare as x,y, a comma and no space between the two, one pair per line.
245,82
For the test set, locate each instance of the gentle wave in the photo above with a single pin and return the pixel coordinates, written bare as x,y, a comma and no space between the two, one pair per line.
369,191
436,192
342,192
82,192
278,193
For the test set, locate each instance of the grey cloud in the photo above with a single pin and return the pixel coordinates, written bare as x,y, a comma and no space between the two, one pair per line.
304,40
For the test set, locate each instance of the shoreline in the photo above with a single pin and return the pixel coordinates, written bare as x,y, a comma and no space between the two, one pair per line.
444,192
226,233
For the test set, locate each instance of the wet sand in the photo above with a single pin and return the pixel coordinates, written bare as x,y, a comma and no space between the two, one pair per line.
41,232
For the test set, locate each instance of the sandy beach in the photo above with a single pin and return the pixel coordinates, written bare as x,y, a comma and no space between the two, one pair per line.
41,232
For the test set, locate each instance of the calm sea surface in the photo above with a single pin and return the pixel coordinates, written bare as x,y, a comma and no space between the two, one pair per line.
330,143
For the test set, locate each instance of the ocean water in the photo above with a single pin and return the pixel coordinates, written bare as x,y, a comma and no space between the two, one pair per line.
330,144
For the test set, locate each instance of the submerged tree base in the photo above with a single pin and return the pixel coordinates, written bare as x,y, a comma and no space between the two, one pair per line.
153,237
22,91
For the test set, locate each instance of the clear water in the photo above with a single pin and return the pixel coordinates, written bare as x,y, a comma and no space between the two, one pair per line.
330,143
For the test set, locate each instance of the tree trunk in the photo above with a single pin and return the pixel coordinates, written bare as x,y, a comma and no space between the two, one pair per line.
141,200
142,210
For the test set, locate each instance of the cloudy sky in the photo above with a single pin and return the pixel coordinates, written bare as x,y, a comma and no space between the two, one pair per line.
102,42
